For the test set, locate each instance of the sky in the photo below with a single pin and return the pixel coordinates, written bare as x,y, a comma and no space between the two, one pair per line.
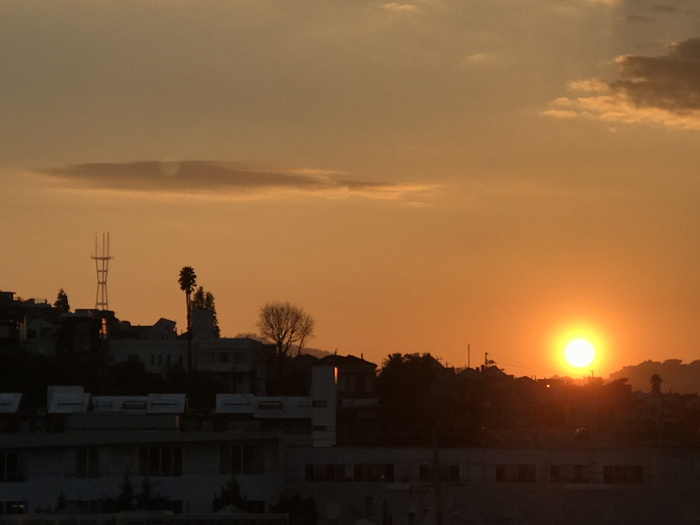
445,176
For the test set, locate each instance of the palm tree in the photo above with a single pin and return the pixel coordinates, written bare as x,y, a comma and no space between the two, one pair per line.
188,280
656,381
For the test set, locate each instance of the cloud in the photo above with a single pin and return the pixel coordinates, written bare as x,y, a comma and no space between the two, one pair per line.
606,2
395,7
475,59
659,90
665,8
637,18
220,179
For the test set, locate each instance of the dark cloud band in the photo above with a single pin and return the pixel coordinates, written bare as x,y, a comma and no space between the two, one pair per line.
212,177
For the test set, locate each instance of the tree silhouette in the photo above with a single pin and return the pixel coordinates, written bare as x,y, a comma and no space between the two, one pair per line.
656,381
188,280
404,388
286,324
129,499
62,301
203,300
230,494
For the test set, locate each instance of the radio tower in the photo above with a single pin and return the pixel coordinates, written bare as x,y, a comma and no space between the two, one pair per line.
101,259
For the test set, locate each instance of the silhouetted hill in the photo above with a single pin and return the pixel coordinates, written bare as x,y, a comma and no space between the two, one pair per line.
677,377
311,351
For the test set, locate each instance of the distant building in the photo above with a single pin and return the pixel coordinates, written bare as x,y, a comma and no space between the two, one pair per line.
240,360
156,346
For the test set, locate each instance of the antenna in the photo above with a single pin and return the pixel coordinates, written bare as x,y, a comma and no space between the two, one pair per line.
101,259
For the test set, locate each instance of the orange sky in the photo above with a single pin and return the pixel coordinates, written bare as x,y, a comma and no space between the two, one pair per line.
419,176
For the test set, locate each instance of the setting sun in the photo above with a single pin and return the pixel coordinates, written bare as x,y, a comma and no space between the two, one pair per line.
579,353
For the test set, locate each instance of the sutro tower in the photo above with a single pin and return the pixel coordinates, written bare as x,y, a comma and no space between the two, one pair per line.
101,259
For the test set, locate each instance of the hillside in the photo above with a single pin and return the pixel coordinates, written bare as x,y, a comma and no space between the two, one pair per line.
677,377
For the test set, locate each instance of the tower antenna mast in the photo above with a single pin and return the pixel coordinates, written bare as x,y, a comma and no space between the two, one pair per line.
102,259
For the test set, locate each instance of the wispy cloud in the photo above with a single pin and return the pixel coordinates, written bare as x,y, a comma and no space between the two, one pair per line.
221,179
396,7
663,8
660,90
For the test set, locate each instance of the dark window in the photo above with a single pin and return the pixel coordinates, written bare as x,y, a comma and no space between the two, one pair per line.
448,473
87,463
165,460
515,473
242,458
373,472
12,467
569,474
333,472
623,474
320,403
270,405
134,405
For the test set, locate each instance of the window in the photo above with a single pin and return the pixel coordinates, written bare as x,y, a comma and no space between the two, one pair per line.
449,473
270,405
242,458
134,405
13,507
12,467
623,474
164,460
223,358
320,403
333,472
515,473
373,472
570,474
87,463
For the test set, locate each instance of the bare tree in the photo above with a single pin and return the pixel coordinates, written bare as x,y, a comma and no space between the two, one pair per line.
286,324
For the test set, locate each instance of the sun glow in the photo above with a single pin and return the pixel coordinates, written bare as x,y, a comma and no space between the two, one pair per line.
580,347
579,353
